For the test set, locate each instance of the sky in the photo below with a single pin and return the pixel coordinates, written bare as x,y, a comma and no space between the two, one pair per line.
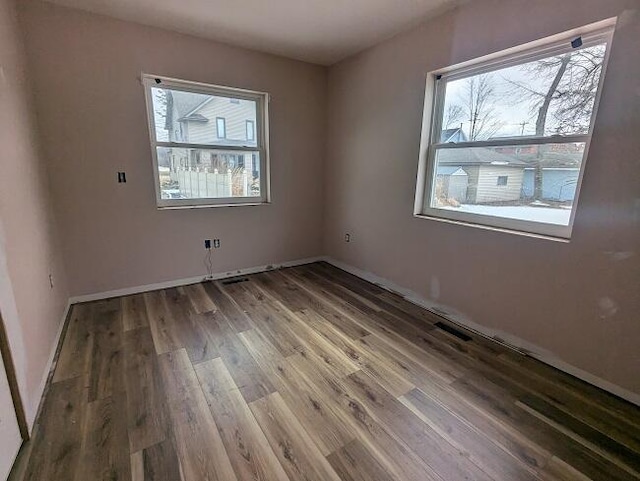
510,107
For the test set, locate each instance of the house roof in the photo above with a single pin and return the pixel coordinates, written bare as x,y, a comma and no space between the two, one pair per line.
183,103
450,170
476,156
452,135
193,118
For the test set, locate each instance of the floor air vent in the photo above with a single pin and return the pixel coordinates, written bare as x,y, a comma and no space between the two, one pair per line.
453,331
235,280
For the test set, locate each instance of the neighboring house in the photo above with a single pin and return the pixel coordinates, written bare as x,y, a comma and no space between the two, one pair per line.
206,119
504,174
491,176
560,171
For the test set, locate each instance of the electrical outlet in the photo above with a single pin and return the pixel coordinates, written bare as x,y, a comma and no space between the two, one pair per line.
207,243
216,243
347,237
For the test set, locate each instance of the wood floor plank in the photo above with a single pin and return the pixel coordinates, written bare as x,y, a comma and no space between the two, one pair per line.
200,449
158,462
266,316
309,340
57,444
500,432
75,355
200,300
107,367
500,403
381,370
246,373
134,312
147,414
297,453
443,457
161,324
327,432
103,435
313,301
251,456
238,320
354,462
396,457
490,457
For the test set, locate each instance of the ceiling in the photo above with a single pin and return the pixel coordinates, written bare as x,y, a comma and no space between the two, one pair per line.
317,31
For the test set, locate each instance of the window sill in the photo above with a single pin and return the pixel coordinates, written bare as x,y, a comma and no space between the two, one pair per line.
493,228
207,206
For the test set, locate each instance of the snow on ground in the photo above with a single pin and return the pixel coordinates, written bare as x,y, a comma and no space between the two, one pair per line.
547,215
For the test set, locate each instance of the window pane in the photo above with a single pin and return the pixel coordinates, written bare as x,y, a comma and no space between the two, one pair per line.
551,96
200,118
208,174
528,182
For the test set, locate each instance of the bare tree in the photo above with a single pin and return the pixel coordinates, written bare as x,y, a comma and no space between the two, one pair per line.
477,104
453,115
574,79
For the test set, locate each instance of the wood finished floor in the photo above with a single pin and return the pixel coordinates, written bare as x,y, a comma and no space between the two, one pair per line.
309,373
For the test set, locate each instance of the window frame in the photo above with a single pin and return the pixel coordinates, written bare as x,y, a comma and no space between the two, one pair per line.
433,113
261,140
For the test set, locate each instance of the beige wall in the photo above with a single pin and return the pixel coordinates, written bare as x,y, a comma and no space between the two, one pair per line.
92,116
578,301
29,249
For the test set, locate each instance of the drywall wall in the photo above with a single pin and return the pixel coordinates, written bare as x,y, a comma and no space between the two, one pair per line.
92,117
578,301
29,250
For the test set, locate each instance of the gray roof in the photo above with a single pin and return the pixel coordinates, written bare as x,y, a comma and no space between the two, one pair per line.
183,103
453,135
193,118
476,156
450,170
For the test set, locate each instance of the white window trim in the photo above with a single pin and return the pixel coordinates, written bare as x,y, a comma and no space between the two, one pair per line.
262,141
432,118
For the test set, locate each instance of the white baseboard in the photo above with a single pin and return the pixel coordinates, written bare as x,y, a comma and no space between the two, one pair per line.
189,280
504,338
36,402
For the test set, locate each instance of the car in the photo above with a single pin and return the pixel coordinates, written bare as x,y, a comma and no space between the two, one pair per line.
172,194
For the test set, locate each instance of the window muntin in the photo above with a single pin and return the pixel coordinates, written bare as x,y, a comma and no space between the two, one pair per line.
201,153
527,117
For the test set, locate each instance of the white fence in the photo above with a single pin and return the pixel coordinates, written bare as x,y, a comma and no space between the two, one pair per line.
195,183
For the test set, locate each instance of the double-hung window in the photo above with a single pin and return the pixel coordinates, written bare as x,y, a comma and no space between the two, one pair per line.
505,137
201,153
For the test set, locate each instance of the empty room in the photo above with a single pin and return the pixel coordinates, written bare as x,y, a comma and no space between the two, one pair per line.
320,240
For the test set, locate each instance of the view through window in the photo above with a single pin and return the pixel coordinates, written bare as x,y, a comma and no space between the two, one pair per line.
204,154
508,137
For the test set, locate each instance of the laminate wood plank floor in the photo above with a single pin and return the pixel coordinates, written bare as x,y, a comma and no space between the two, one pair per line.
311,374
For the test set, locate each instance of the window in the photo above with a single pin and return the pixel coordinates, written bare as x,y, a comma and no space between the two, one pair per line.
221,128
251,130
505,137
202,155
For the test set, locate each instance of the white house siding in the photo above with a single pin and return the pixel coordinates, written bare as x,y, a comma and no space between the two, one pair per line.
486,188
235,115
